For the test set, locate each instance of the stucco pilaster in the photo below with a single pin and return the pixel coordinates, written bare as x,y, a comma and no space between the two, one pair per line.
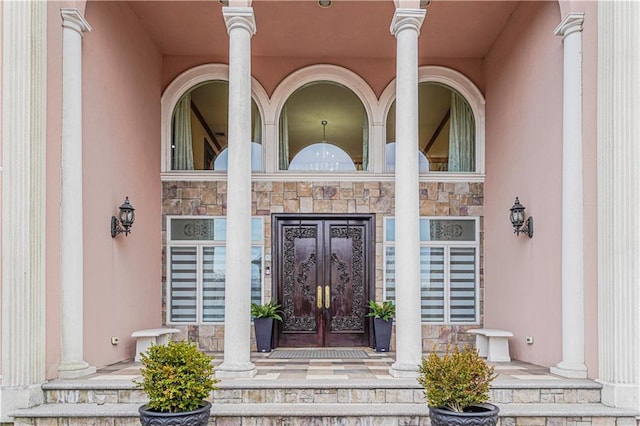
406,28
24,41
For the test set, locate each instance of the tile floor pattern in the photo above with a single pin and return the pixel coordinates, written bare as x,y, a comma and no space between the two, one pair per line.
374,367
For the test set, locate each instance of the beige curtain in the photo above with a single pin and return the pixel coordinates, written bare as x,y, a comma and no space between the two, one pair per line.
462,138
182,144
283,152
365,143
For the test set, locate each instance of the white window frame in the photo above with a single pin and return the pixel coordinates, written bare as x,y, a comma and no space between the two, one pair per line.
270,108
200,245
184,83
447,246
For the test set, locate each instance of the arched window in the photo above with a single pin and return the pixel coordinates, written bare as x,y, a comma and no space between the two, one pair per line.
323,126
447,131
199,129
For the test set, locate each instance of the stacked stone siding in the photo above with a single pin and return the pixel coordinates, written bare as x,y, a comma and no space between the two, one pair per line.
208,198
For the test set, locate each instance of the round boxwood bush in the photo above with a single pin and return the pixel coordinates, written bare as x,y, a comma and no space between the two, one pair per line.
456,380
176,377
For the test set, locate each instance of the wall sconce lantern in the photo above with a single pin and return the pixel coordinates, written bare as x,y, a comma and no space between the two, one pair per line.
122,223
520,225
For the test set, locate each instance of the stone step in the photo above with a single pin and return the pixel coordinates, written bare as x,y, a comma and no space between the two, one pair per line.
302,414
324,391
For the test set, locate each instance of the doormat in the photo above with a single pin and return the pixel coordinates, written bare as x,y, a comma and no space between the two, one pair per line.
318,354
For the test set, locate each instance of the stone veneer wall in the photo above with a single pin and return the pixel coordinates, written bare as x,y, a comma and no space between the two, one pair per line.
436,199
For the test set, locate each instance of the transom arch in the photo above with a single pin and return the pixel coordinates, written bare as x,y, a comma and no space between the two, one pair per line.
270,108
458,82
187,81
325,72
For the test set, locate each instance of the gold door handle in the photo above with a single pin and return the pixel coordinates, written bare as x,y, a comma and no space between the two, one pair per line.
319,297
327,297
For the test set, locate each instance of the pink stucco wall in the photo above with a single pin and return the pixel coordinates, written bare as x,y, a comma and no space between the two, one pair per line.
54,113
121,133
589,143
270,72
523,73
0,188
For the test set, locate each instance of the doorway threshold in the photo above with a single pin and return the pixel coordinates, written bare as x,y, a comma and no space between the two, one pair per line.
318,353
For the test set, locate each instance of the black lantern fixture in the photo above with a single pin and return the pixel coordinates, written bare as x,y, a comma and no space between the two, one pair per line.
520,225
122,223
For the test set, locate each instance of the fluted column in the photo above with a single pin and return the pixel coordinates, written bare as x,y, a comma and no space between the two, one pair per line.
237,361
406,28
24,40
72,362
572,364
619,203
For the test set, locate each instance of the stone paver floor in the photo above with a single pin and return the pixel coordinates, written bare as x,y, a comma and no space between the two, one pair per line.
374,367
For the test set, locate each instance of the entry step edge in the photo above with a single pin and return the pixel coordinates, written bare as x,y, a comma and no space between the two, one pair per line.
324,384
324,410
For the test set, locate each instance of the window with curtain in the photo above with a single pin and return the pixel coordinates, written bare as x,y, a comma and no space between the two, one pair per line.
449,269
323,126
199,129
196,262
446,138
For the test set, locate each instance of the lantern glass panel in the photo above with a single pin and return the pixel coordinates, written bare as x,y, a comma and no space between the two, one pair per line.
517,214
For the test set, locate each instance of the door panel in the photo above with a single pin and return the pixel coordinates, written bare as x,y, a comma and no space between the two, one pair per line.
300,275
322,279
345,255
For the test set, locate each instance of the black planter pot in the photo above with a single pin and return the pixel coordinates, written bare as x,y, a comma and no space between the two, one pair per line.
263,327
477,415
382,332
199,417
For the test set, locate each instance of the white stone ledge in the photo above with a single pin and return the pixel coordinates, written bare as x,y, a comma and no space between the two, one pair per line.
204,175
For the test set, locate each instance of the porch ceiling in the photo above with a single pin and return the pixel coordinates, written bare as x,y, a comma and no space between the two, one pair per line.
452,29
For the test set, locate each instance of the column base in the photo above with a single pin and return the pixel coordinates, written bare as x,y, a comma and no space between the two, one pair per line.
571,370
620,395
73,370
230,370
18,397
402,370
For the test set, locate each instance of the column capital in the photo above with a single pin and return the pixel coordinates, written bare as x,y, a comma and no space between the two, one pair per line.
239,17
73,19
570,24
407,19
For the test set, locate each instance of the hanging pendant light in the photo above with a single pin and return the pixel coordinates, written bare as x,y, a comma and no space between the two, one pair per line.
323,156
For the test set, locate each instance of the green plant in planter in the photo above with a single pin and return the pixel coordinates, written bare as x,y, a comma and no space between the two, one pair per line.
385,310
457,380
176,377
268,310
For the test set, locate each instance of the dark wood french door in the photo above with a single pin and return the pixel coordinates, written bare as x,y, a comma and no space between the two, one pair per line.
323,275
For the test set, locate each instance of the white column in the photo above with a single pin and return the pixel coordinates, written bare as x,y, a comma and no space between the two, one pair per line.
619,203
406,28
572,364
24,41
72,362
237,321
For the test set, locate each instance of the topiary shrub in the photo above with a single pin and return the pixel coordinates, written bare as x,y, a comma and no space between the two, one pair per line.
456,380
176,377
